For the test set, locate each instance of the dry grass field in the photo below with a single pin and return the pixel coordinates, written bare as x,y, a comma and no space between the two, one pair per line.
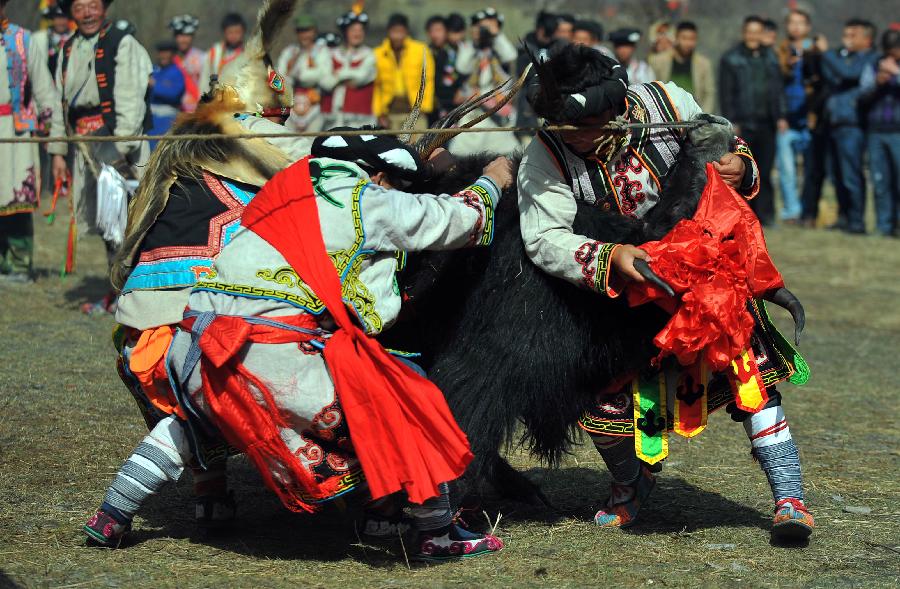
66,424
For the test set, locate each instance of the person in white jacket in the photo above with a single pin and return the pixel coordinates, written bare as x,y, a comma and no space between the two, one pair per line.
348,76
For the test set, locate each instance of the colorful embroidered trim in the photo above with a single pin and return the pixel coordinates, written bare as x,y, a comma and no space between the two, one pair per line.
749,391
651,440
691,398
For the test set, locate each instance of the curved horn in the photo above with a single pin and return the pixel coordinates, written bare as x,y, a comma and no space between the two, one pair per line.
426,148
413,117
643,268
789,301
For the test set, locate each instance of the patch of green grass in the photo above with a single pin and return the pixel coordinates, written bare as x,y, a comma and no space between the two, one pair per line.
66,423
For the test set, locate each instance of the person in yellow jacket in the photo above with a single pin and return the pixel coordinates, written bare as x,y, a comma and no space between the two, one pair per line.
399,61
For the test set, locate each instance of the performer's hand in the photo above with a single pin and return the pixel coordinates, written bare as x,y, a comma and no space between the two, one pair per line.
500,171
731,167
623,261
60,168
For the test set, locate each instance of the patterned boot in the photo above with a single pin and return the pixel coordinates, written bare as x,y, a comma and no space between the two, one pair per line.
792,521
453,543
625,500
104,529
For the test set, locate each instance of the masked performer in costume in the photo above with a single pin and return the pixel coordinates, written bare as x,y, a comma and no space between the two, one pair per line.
186,209
622,172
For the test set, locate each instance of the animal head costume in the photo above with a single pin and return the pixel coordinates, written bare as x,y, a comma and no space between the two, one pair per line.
248,86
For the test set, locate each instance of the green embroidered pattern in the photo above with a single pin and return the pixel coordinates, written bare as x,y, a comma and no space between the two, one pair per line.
348,263
320,173
603,266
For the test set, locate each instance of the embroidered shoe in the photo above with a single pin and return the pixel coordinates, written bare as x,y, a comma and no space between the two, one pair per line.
215,511
453,543
105,530
625,500
384,527
792,520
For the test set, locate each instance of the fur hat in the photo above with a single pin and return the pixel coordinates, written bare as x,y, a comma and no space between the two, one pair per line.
352,17
252,76
184,24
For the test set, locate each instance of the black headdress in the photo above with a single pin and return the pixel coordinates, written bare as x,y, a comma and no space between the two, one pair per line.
373,153
66,5
575,82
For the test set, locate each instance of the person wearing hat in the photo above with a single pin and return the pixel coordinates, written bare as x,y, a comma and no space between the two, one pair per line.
446,35
304,288
485,62
20,185
103,76
186,208
167,88
624,42
188,58
51,40
305,63
234,30
348,79
399,63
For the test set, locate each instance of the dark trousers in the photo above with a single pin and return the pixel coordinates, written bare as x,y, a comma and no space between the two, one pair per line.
815,167
762,143
16,243
884,165
848,147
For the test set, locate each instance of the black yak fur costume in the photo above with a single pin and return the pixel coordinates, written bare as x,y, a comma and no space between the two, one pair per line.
509,344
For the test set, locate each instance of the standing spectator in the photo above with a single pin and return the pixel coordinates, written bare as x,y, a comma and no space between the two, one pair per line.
541,38
565,28
167,88
751,97
349,79
686,67
624,42
234,30
660,37
445,45
485,62
399,61
188,59
800,65
590,33
842,69
51,40
304,63
880,101
26,64
770,34
103,76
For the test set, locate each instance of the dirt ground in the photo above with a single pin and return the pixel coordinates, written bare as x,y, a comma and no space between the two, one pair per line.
66,424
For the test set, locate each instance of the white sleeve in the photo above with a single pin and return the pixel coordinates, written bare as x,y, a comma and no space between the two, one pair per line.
295,147
42,86
547,209
683,101
466,59
365,73
398,221
505,50
133,69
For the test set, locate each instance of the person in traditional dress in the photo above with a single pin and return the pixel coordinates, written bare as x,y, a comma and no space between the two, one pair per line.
167,89
485,62
317,246
51,40
624,42
234,29
185,210
27,95
103,76
188,58
306,63
624,171
348,81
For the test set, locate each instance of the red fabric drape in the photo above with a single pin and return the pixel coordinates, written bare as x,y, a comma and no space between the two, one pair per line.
402,429
715,262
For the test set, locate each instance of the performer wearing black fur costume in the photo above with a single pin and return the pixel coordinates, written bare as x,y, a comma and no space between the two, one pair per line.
622,173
